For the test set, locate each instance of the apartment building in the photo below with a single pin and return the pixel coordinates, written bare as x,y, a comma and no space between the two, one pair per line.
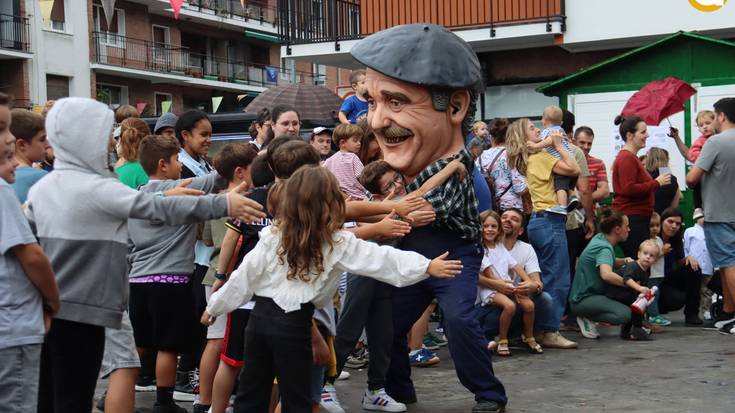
144,56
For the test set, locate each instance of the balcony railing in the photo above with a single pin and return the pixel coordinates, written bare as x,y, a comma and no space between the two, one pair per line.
14,33
233,9
115,50
315,21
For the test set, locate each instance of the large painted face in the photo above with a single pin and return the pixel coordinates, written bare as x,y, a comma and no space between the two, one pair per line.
410,132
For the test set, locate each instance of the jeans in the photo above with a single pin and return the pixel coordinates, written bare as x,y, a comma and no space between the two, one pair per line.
70,363
547,234
489,317
369,304
456,297
19,369
277,344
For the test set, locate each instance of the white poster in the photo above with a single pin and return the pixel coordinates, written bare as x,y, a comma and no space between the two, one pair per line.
658,137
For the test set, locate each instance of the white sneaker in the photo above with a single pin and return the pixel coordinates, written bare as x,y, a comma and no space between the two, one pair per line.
379,400
329,401
587,327
720,324
344,375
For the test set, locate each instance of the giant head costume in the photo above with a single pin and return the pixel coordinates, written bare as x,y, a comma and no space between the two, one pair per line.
422,86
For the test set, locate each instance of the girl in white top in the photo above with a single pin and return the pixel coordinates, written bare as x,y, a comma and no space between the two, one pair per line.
657,272
498,265
296,267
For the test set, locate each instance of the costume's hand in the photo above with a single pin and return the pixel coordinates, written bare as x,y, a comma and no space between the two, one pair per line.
390,227
244,209
692,263
421,218
440,267
206,319
320,351
408,204
182,190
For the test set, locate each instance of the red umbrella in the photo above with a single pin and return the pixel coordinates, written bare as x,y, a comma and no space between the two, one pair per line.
658,100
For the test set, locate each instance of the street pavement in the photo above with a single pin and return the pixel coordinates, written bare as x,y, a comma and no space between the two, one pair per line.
684,369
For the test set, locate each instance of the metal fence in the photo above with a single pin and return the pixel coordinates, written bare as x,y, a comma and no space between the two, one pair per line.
14,33
122,51
234,9
313,21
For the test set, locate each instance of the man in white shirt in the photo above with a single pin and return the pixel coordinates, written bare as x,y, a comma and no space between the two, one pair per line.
523,253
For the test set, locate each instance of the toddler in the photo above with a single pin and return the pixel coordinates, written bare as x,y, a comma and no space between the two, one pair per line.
355,107
657,271
635,277
497,264
704,124
564,185
345,164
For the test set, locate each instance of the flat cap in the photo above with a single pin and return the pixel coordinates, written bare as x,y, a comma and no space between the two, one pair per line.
424,54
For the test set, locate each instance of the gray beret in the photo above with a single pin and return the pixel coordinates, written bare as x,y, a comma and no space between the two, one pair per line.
167,120
424,54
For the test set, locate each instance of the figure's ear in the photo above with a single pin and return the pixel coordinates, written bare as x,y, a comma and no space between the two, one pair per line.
459,103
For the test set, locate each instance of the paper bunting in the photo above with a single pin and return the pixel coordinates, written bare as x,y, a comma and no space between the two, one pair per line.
140,107
176,5
108,6
165,106
216,101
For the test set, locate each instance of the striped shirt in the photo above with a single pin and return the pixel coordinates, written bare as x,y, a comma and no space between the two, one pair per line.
598,173
346,166
546,134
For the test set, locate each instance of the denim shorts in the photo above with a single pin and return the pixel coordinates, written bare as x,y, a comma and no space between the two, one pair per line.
720,239
120,351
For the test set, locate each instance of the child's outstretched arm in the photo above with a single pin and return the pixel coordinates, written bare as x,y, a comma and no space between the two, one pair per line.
633,285
358,209
388,227
456,166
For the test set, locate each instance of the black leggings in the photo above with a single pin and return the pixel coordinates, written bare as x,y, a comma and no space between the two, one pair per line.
640,230
277,344
190,359
680,289
70,363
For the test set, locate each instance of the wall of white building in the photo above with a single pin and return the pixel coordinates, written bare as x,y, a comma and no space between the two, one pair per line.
621,21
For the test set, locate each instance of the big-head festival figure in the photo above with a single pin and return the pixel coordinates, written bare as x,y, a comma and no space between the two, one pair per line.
422,86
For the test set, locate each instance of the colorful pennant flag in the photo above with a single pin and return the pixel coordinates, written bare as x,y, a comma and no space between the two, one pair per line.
108,6
165,106
140,107
271,74
216,101
176,5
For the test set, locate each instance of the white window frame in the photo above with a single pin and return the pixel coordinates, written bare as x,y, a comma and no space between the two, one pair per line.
166,43
124,93
169,96
119,42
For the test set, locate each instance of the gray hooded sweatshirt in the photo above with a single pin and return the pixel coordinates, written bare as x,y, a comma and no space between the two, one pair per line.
80,211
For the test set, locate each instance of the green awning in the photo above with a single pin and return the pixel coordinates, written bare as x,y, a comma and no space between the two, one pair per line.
262,36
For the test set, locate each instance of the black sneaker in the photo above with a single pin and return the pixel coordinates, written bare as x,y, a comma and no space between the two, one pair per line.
145,384
200,408
168,408
488,406
693,321
573,204
727,329
187,388
639,334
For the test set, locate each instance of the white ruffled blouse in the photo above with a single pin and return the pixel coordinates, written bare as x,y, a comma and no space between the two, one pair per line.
261,274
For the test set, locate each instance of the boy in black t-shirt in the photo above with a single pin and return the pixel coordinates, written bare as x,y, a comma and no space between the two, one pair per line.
635,277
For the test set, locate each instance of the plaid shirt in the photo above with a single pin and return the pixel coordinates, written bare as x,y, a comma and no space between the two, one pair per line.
455,202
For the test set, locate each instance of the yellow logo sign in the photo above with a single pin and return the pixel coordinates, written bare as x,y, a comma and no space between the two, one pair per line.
707,5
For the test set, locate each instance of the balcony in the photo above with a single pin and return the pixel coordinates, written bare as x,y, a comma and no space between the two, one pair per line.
335,25
14,37
159,63
233,9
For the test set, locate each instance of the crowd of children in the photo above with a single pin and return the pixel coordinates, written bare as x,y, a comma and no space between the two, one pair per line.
254,245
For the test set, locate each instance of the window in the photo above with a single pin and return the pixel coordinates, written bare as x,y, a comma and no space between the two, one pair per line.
159,98
57,87
112,95
54,14
113,35
161,44
320,74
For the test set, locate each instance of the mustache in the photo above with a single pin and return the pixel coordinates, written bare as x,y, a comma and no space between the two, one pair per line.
394,132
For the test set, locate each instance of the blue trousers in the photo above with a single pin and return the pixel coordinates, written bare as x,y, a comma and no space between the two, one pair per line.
456,298
548,237
489,317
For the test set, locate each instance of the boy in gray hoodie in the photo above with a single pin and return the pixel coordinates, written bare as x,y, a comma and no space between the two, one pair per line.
80,212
